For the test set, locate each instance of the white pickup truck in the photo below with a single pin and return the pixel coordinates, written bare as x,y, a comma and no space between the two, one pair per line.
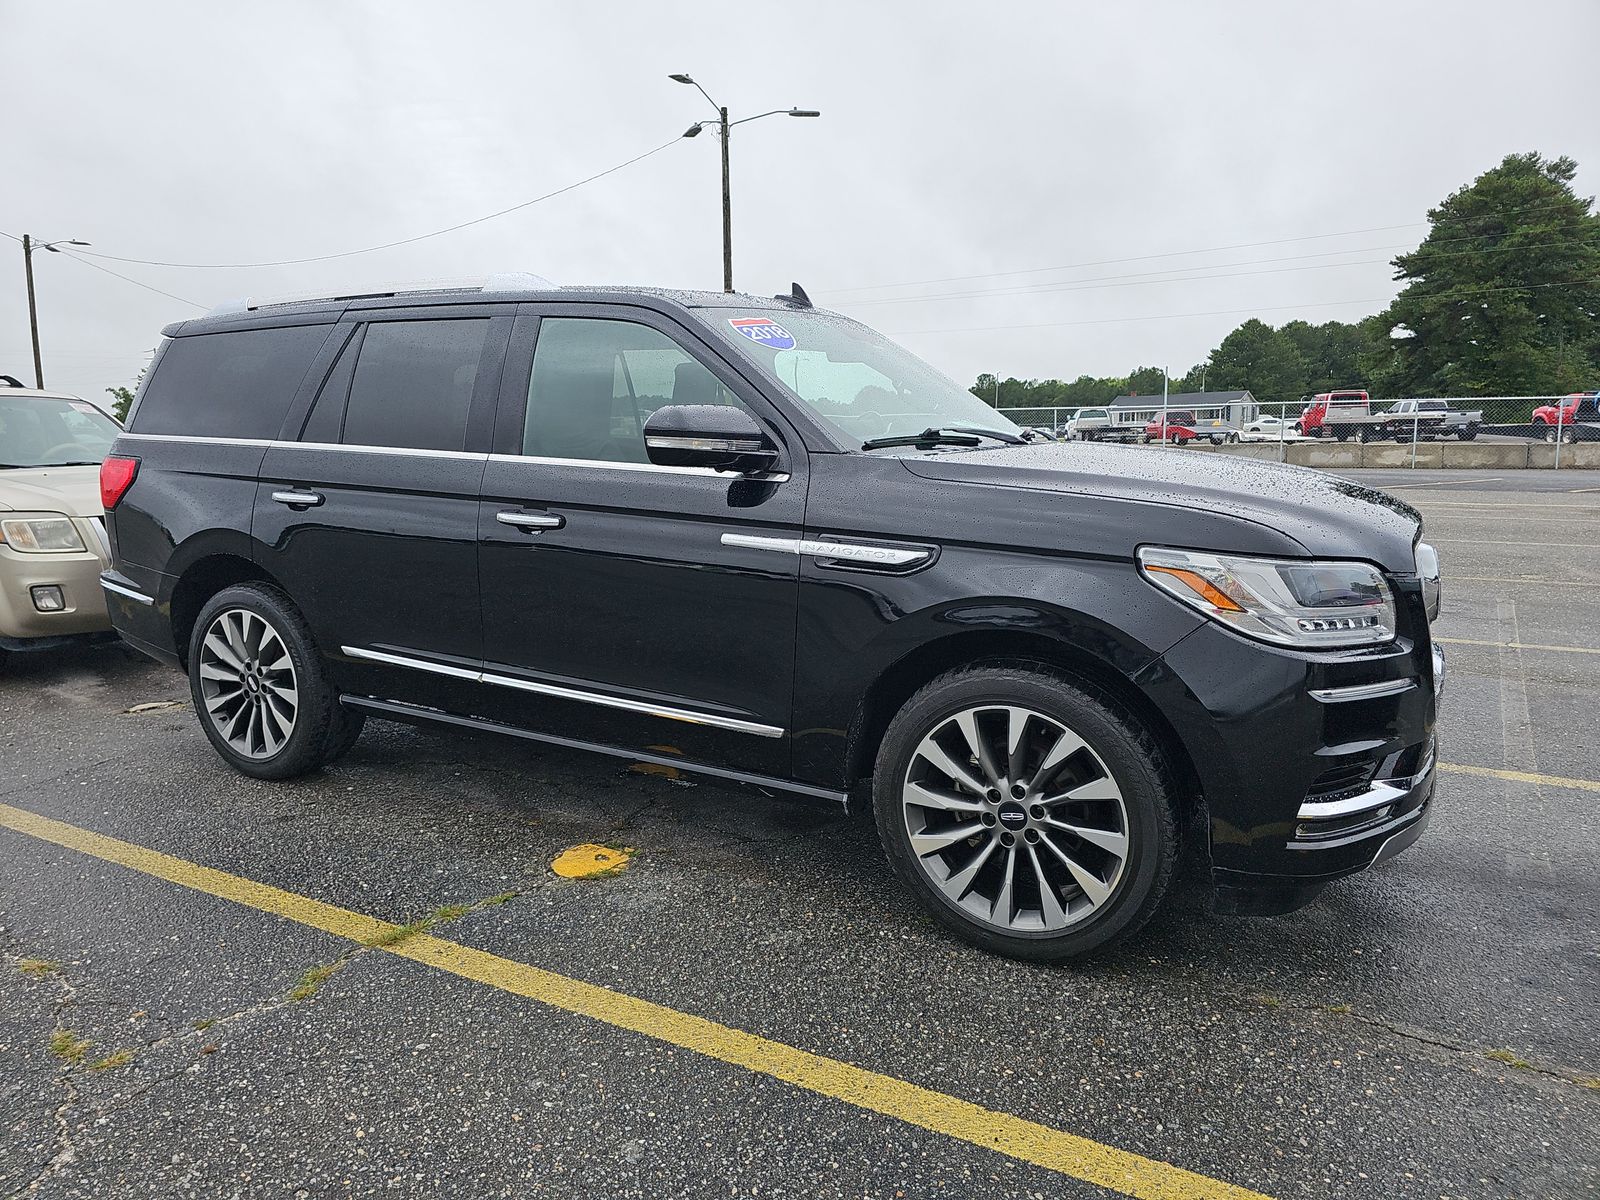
1409,420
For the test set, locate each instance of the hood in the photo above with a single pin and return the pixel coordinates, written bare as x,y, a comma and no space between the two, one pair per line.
71,490
1328,516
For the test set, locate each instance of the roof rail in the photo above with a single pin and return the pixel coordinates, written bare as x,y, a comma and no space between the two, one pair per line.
503,281
12,381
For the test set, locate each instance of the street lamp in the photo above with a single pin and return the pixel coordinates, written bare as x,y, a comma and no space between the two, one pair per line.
28,247
724,125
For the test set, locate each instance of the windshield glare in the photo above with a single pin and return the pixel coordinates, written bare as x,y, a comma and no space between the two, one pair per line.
855,379
43,432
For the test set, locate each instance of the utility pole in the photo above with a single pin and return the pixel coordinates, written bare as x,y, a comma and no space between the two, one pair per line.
725,127
727,208
33,311
28,247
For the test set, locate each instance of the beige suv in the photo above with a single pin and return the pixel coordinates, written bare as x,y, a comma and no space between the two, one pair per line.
52,530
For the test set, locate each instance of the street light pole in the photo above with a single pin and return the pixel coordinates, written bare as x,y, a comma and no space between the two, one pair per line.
33,311
28,247
724,128
727,208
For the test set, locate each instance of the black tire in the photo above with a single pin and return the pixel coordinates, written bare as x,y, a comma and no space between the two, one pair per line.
316,726
1467,433
1130,755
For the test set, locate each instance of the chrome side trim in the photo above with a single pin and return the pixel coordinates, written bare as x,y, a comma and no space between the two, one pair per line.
416,664
665,711
665,441
1382,792
188,439
1362,691
856,552
607,465
750,541
126,591
409,452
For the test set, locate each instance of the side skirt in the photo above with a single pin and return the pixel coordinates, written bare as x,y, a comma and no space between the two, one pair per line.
415,714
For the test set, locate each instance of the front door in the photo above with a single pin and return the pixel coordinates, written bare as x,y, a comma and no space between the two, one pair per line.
618,606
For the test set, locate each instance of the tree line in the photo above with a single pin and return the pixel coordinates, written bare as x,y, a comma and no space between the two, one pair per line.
1502,298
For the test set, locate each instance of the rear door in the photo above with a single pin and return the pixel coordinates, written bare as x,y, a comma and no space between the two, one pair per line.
366,509
619,605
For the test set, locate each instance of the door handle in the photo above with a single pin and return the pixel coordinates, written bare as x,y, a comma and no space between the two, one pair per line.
297,499
531,521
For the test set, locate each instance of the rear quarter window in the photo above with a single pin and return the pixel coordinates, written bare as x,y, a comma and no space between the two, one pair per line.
228,384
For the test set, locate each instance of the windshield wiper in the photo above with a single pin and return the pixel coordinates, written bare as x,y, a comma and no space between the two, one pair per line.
948,435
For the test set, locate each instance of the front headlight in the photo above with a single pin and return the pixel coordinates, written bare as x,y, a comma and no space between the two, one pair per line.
1309,605
41,535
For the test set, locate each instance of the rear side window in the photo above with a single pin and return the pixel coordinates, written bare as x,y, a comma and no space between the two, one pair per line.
413,384
228,384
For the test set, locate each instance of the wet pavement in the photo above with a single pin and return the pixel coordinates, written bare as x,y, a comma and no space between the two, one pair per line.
1427,1029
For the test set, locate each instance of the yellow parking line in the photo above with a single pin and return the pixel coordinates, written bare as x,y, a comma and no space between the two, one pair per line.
1080,1157
1518,645
1560,781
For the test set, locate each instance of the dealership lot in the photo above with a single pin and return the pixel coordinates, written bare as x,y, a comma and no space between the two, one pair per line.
1426,1029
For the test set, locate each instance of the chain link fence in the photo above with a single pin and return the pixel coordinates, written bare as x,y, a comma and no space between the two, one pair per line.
1560,420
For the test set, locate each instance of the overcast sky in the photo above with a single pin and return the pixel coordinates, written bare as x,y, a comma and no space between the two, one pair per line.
1072,157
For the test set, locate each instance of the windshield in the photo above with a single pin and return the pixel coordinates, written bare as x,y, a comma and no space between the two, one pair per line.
40,431
855,379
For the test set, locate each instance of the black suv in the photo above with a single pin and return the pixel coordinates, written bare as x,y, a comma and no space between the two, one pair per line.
750,538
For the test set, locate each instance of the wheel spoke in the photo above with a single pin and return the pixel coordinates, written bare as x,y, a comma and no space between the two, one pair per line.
222,699
1016,727
957,771
924,796
1003,910
233,630
1104,788
215,643
956,886
1065,747
1093,886
967,722
218,674
1108,840
1050,910
931,843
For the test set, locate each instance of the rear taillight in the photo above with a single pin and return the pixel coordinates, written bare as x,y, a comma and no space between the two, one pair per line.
116,476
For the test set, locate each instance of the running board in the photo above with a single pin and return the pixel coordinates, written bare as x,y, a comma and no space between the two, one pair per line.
396,710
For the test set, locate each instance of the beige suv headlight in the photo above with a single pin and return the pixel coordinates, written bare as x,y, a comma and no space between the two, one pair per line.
41,535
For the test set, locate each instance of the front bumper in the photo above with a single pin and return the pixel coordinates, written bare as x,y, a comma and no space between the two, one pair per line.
1311,766
77,574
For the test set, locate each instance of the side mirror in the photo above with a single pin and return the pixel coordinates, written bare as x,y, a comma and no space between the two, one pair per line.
718,436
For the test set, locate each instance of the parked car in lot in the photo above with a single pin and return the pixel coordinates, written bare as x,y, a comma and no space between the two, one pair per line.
1419,420
1088,424
816,565
1566,414
52,533
1342,415
1176,429
1271,429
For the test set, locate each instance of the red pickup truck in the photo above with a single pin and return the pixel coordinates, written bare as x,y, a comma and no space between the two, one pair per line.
1339,414
1179,428
1550,418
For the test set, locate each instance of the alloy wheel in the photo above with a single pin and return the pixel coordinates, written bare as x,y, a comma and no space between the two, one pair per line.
247,682
1015,819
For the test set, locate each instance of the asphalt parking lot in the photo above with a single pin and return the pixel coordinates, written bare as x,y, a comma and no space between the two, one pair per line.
1425,1030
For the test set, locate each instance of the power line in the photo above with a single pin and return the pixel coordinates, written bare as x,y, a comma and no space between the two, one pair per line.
136,283
1228,312
1171,274
295,262
1106,262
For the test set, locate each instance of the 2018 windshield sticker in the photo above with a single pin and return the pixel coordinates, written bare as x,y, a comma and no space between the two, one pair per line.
764,332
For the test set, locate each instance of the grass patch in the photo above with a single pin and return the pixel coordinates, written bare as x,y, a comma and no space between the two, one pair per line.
311,982
396,934
112,1061
1341,1009
205,1023
442,915
37,968
1507,1057
446,913
1268,1001
496,901
68,1046
1591,1081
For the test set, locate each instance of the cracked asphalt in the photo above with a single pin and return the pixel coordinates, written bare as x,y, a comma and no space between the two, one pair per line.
1425,1030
